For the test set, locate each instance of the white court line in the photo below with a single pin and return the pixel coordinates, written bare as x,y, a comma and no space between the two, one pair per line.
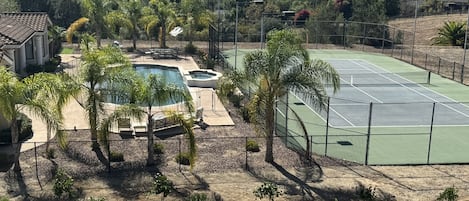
364,92
430,98
350,104
338,114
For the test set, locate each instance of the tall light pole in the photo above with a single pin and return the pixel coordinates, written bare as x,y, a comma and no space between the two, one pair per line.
262,21
465,46
415,29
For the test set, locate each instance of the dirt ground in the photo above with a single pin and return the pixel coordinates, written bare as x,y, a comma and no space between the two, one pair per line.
220,170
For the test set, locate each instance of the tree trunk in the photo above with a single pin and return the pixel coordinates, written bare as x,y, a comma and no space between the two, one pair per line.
134,38
163,36
269,138
150,159
93,116
48,136
98,37
15,143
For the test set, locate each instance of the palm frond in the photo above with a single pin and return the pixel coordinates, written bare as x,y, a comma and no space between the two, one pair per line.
77,24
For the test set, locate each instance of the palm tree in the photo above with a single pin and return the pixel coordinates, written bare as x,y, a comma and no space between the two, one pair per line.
128,16
95,11
146,94
35,94
452,33
197,16
284,67
51,91
159,13
98,67
56,35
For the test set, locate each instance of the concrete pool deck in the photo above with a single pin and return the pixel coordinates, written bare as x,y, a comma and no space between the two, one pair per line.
214,113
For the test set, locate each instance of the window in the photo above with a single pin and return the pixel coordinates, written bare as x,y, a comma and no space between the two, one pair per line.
29,49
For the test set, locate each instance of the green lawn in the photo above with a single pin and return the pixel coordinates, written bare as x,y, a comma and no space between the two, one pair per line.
66,51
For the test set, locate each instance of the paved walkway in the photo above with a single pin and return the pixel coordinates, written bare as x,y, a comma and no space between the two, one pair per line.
214,114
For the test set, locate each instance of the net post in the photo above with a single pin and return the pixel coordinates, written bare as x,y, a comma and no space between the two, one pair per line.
431,132
429,75
368,134
327,125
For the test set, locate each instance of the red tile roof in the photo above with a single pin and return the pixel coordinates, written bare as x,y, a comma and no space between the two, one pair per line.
35,20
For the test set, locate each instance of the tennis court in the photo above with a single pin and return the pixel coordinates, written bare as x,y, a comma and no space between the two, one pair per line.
386,112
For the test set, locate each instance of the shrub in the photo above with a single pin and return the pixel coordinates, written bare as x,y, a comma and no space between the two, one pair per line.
50,153
267,190
32,68
366,194
4,198
25,127
190,49
63,183
116,157
236,100
161,184
245,114
198,197
449,194
252,146
158,148
183,158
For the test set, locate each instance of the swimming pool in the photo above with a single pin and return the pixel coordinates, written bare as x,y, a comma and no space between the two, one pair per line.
172,75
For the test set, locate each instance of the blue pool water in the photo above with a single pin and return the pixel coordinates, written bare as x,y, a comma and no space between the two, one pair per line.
201,75
170,74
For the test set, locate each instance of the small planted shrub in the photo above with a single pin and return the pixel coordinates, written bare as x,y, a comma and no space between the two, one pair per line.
183,158
252,146
245,114
198,197
116,157
449,194
161,184
267,190
50,153
190,49
158,148
63,183
366,194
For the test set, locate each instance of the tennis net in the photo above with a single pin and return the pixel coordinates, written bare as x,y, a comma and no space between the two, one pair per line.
402,79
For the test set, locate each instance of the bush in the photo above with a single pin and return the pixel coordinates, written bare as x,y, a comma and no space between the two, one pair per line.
33,68
158,148
161,184
198,197
63,183
252,146
366,194
245,114
449,194
267,190
50,154
4,198
190,49
183,158
25,127
116,157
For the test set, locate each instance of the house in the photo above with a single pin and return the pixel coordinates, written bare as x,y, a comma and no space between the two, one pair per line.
24,40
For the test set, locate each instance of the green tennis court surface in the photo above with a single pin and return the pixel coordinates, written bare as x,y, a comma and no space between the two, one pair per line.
386,112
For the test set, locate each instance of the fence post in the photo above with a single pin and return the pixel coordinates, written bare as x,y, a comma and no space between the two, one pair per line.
462,73
439,65
35,160
179,152
425,64
286,118
344,32
368,134
246,166
327,125
401,53
454,69
384,36
364,37
431,132
108,156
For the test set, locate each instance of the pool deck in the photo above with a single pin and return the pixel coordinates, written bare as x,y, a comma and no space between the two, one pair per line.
214,113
